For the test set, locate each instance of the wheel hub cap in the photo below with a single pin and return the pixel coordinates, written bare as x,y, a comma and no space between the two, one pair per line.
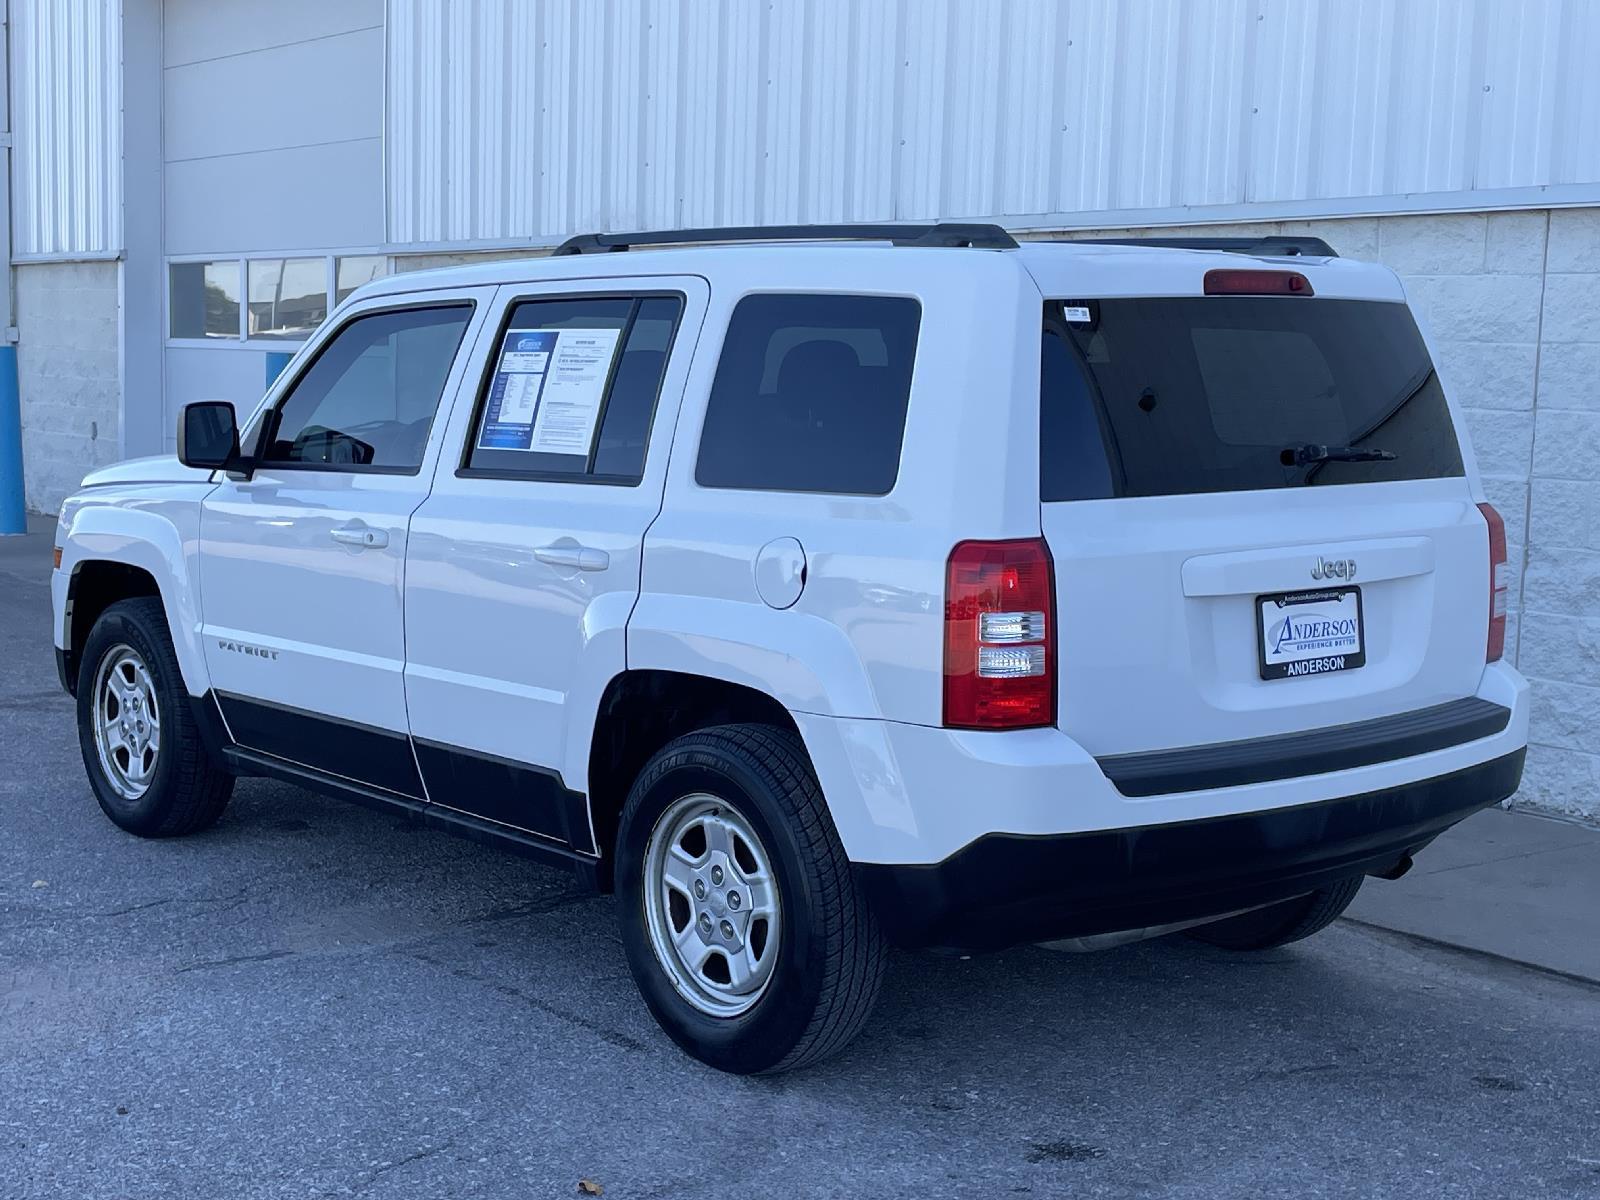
127,722
711,905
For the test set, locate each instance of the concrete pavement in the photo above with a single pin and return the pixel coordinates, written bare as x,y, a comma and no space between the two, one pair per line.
313,999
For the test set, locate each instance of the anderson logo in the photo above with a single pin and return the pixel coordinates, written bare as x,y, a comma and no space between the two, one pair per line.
241,648
1306,633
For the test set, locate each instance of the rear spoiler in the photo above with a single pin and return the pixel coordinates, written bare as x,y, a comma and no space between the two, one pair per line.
1260,246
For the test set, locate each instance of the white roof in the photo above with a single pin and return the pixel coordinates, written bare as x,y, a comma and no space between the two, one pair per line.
1062,269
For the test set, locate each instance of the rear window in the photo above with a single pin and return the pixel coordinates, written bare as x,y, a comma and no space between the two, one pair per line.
1171,396
810,395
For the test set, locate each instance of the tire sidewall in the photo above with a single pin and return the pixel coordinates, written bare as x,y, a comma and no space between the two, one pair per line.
759,1039
118,625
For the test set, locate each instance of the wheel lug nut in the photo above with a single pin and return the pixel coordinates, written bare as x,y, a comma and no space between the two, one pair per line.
716,875
699,889
727,930
733,899
705,922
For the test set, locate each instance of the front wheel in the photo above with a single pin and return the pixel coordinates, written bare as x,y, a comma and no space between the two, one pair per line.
740,916
149,769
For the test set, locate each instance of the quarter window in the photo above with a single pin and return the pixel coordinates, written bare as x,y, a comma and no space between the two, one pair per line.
368,399
572,389
810,395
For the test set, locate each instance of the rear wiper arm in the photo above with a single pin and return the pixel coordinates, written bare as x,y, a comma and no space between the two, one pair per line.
1310,452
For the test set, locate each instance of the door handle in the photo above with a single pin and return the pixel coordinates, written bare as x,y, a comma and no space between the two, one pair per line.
359,535
584,558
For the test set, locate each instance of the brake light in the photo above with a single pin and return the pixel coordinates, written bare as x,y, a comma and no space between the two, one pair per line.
1499,583
1233,282
999,636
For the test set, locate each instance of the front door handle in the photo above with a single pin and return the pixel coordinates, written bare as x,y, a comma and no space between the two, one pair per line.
584,558
359,535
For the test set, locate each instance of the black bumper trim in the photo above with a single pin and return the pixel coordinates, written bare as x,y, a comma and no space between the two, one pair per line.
1008,889
1314,752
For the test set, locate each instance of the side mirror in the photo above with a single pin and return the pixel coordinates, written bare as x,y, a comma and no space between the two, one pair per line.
208,436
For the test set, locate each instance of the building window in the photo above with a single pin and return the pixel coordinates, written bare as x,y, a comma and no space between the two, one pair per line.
204,299
352,272
288,297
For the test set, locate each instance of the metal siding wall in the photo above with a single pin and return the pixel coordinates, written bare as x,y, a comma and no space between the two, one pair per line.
528,119
66,89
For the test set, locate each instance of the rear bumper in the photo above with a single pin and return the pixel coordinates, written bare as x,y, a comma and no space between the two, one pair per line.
1007,889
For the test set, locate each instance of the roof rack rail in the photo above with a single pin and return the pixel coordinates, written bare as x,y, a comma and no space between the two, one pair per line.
1265,246
941,233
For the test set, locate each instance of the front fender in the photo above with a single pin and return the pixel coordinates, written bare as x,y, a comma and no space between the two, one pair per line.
155,530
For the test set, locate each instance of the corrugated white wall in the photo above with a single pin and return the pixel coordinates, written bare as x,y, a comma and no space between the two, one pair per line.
533,118
66,86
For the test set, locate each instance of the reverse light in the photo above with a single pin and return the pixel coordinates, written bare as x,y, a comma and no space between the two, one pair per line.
999,636
1234,282
1499,583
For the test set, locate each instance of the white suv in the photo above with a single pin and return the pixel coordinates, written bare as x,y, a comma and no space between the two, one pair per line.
831,588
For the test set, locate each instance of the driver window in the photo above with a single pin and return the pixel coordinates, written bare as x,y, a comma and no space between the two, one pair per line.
369,398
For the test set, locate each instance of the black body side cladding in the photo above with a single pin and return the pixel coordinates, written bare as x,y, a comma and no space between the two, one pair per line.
247,762
380,757
1008,889
487,799
507,792
1315,752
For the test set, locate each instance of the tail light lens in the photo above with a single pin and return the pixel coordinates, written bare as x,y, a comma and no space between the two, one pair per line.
1499,582
999,636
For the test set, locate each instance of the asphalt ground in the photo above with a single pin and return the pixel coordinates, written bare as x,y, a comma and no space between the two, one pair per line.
313,999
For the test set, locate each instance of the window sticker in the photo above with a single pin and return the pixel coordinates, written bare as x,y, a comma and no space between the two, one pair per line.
547,390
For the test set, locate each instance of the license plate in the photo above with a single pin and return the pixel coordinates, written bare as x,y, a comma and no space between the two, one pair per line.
1310,633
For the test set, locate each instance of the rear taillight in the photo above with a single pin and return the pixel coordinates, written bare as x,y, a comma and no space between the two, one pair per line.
1499,582
999,636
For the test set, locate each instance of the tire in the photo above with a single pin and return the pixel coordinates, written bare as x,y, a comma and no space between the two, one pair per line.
823,953
182,790
1281,923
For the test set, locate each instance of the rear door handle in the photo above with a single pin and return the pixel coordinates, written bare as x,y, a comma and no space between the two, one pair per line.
584,558
359,535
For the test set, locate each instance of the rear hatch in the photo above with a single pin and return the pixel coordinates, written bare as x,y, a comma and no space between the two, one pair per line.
1233,557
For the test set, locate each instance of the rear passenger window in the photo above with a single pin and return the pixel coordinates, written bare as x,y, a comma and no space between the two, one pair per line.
810,395
572,389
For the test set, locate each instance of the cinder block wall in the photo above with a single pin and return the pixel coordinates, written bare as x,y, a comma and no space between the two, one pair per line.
1511,305
68,373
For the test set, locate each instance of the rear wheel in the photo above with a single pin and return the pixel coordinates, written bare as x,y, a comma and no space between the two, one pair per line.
1281,923
739,912
149,769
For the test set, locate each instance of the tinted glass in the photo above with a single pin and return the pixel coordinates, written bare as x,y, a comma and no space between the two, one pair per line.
370,397
810,395
1157,397
203,299
606,393
288,296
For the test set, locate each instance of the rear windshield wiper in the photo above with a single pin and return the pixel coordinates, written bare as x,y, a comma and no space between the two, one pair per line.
1310,452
